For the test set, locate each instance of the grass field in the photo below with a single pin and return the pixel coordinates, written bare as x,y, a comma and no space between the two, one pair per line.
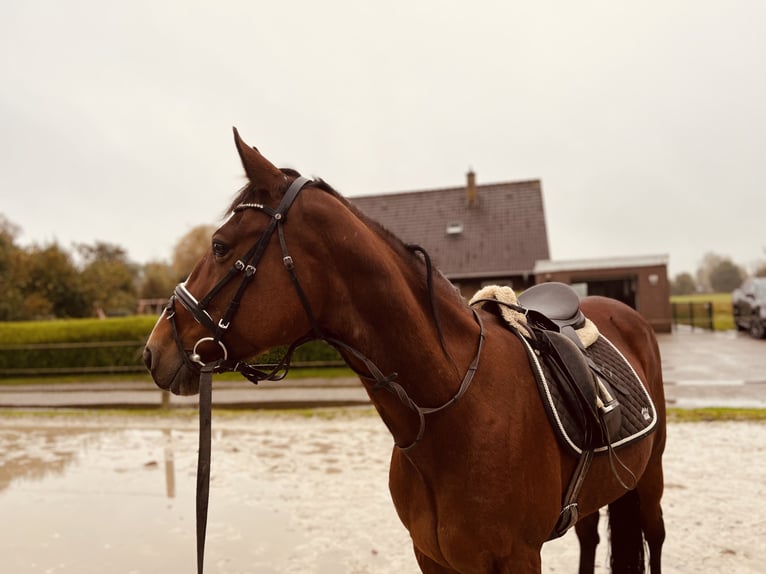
686,305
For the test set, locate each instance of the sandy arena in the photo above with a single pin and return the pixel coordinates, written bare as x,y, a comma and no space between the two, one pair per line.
84,492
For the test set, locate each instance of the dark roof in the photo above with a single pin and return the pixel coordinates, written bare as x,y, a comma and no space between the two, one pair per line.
502,233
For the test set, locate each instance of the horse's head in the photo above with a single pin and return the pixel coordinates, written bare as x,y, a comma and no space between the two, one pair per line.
240,299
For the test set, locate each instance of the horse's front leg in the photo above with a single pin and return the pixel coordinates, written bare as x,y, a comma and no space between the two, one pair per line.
428,566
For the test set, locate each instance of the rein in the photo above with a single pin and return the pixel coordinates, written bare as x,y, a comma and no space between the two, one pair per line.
247,267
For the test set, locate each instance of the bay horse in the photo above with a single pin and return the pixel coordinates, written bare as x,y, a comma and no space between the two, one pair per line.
476,475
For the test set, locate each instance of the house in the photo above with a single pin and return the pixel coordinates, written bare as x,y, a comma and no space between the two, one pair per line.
476,234
496,233
641,282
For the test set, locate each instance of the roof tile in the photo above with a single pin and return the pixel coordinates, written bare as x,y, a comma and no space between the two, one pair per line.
503,233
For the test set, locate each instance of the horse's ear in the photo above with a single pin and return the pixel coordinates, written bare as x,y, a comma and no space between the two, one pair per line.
259,170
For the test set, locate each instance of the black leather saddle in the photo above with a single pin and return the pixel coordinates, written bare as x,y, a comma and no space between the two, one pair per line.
558,303
553,309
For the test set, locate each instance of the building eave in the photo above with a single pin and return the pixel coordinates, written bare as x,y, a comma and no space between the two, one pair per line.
488,274
554,266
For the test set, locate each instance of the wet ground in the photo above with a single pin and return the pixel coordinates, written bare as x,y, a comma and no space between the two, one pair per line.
721,369
105,493
90,491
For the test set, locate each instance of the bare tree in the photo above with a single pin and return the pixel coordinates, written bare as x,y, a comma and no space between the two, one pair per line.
189,249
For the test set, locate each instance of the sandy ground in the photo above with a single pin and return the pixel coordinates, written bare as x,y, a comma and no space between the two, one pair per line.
93,493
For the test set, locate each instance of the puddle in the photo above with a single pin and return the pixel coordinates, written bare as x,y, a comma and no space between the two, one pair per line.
99,500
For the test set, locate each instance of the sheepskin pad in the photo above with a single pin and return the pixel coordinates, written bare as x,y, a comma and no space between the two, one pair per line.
588,334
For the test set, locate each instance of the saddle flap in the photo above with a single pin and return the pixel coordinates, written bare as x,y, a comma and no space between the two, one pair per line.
567,364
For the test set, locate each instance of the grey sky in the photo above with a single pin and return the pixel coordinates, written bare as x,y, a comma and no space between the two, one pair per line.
644,120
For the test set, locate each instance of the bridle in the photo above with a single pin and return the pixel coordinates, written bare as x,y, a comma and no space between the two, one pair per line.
247,267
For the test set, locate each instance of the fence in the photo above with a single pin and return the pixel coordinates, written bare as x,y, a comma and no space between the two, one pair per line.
697,314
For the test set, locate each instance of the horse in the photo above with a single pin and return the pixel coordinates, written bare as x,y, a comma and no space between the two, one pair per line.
476,473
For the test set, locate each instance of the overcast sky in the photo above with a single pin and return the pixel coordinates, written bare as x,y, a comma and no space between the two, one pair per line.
645,121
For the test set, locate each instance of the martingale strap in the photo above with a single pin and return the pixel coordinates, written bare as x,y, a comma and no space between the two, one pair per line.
388,383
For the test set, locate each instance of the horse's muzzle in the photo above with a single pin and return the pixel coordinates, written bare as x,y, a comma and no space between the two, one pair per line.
177,378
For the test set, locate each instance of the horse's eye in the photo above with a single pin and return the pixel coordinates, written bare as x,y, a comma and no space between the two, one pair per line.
220,249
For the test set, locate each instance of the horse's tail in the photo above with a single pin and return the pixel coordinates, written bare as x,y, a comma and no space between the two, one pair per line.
625,535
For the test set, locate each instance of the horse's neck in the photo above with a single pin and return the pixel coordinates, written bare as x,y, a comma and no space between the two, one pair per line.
391,323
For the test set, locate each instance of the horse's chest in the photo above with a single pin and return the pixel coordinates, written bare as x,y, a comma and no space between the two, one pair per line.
450,515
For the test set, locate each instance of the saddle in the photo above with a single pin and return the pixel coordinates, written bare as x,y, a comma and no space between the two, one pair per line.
557,302
594,399
580,403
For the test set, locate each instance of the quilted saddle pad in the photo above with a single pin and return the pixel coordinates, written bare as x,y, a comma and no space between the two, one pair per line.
569,420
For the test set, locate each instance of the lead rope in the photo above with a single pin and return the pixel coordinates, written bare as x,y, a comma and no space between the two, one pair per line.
203,458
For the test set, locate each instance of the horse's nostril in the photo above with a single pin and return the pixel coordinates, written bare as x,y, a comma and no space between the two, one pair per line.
148,358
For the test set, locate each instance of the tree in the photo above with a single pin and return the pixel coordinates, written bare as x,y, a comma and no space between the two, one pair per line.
9,231
726,276
709,261
157,280
683,284
717,273
760,270
108,278
10,254
49,274
190,248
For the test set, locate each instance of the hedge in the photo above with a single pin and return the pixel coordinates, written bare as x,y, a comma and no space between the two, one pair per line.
108,345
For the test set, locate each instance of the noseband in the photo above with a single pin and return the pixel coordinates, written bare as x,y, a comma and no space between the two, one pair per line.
247,267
